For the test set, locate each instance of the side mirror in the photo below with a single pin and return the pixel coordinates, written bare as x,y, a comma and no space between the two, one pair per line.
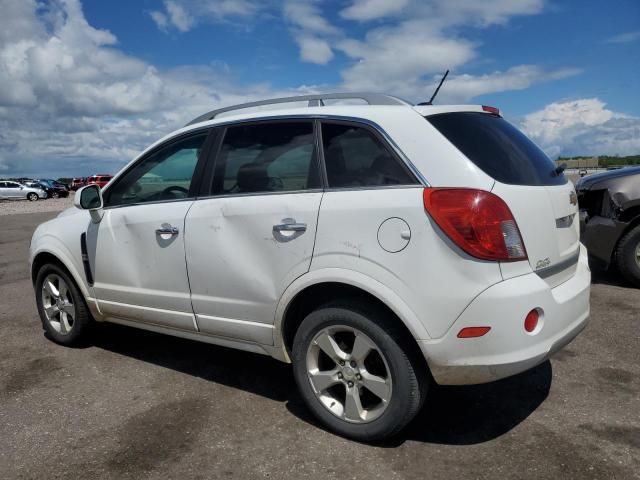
90,198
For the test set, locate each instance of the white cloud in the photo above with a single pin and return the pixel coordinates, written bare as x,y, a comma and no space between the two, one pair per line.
178,16
314,50
627,37
72,103
364,10
161,20
583,127
307,16
183,15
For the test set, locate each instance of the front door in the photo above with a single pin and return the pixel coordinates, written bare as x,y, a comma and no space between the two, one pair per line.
137,250
255,234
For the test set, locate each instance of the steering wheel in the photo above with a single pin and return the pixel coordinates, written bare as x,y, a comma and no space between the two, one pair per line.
175,188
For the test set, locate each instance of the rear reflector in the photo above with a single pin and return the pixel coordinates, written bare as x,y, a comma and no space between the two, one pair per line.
494,110
531,320
473,332
479,222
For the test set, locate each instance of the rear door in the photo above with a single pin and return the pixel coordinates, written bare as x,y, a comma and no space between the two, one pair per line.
541,199
255,232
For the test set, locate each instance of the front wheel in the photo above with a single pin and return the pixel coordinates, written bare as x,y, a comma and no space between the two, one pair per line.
32,197
55,195
628,256
63,311
356,371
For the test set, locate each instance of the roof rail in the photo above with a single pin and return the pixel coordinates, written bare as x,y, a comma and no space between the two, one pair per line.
316,100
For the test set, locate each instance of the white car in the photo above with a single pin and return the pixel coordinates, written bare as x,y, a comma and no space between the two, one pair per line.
377,247
17,191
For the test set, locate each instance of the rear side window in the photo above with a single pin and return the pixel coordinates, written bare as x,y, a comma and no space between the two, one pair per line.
355,157
498,148
267,157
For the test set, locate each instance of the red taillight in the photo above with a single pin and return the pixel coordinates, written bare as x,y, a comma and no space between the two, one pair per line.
479,222
531,320
494,110
473,332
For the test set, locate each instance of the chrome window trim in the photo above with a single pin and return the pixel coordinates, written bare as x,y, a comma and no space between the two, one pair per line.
423,182
344,118
254,194
137,204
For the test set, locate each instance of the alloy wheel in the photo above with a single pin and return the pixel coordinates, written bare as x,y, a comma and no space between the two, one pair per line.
58,304
349,374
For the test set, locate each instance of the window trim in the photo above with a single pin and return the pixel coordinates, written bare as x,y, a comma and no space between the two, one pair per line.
197,172
206,189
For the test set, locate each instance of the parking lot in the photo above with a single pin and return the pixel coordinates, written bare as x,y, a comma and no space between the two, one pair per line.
141,405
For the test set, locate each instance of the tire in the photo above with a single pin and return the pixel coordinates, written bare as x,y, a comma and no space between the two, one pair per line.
32,197
55,195
60,326
628,256
394,361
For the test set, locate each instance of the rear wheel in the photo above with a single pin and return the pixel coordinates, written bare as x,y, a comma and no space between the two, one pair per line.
628,256
32,197
356,372
63,311
55,195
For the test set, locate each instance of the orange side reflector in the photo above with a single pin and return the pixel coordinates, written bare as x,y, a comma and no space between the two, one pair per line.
472,332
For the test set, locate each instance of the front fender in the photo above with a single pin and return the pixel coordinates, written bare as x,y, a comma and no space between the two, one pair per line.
51,245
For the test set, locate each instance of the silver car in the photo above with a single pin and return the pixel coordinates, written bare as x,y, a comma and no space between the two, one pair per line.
17,191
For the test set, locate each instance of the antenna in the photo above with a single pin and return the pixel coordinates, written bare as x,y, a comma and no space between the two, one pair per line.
430,102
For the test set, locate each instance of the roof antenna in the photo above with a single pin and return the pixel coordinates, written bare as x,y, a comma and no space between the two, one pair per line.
430,102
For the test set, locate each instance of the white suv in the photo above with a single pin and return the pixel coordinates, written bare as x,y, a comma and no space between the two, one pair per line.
377,247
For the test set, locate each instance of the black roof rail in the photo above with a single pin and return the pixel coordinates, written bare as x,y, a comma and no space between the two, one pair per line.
315,100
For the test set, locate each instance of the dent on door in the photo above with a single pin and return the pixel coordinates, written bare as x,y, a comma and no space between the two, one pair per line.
139,268
242,253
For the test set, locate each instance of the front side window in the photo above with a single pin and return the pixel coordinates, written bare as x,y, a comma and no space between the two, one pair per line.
12,185
164,175
355,157
266,157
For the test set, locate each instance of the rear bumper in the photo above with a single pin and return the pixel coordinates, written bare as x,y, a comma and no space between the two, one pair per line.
507,349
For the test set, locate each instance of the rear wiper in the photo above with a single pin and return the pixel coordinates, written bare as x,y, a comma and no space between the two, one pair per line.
559,170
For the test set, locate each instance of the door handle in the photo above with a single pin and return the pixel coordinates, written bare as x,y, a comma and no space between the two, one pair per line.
290,227
167,231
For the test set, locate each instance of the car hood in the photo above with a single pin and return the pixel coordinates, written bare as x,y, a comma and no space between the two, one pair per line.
613,176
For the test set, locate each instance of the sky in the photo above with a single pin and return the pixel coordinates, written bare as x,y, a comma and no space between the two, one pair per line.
86,85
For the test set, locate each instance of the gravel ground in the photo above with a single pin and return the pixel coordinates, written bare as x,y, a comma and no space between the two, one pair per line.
12,207
140,405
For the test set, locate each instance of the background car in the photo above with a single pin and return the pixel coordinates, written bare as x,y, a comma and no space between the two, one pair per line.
54,188
16,191
78,182
610,220
101,179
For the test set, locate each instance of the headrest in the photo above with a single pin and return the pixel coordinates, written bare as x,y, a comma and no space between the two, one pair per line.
253,177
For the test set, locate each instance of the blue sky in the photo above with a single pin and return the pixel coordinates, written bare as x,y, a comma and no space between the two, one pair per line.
86,85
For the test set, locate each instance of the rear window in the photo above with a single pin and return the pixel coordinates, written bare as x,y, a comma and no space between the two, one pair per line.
498,148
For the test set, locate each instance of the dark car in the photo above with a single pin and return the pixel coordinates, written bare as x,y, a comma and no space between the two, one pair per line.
610,220
54,188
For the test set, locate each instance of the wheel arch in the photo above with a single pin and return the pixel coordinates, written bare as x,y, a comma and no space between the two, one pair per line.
632,217
316,288
47,256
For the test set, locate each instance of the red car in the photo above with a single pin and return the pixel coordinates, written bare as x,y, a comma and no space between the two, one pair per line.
101,179
76,183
